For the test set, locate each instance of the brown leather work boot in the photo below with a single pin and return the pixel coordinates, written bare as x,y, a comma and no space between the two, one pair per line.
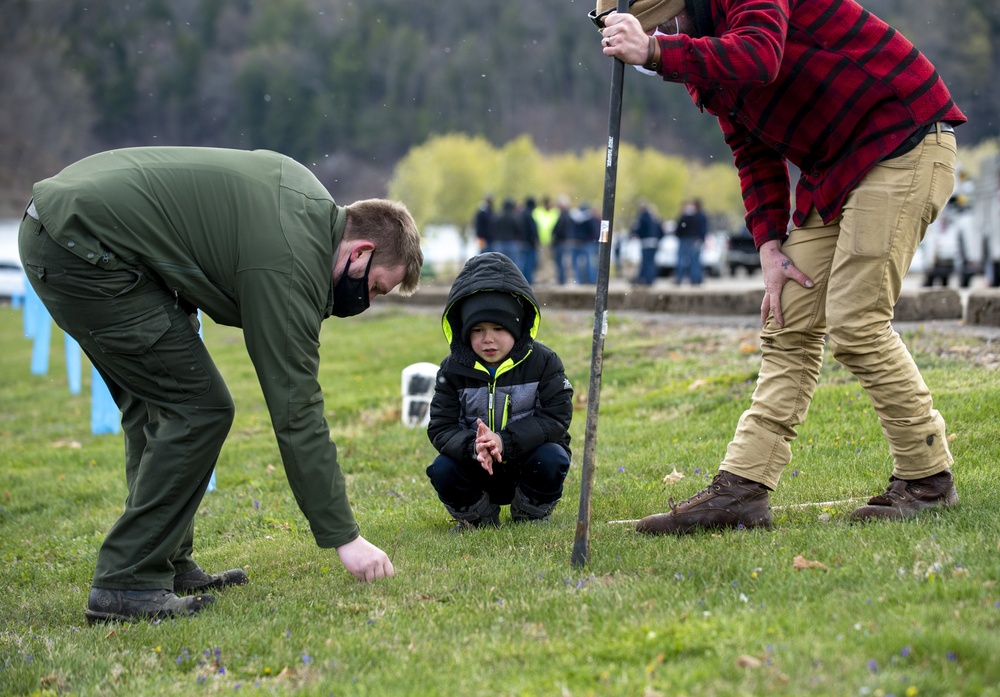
730,501
197,580
904,498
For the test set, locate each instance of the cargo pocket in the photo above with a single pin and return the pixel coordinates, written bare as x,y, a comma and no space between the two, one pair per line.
156,360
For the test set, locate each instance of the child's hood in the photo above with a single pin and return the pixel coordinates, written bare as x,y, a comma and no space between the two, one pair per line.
489,271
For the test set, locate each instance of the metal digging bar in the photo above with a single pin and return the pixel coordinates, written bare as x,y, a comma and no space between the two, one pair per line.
581,542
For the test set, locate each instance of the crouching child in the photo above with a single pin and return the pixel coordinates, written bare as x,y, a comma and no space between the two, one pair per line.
502,403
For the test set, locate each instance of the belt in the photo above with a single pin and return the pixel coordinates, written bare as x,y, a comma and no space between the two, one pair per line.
917,136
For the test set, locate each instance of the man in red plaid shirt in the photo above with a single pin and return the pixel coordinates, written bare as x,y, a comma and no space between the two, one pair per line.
834,90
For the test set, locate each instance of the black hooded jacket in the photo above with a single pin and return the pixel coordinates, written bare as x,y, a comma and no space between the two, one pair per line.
529,400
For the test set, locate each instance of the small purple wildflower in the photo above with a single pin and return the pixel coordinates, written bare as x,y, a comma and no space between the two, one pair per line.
222,670
795,473
951,656
622,468
873,666
306,658
200,680
288,633
697,470
256,504
905,651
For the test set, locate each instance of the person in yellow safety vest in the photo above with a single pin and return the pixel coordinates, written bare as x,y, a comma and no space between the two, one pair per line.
545,217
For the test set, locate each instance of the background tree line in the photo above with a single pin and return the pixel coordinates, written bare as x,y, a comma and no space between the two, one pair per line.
353,87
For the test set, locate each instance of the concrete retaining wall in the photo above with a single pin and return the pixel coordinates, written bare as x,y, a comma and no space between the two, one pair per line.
983,307
924,304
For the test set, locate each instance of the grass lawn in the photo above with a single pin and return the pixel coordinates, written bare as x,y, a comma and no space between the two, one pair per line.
908,608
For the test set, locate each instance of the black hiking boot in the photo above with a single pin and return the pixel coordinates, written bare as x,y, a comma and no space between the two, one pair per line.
730,501
904,498
197,580
483,513
524,510
109,604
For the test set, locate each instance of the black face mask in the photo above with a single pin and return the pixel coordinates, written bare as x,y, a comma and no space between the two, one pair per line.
350,295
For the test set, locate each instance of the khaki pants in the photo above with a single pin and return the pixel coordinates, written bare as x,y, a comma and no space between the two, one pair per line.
857,262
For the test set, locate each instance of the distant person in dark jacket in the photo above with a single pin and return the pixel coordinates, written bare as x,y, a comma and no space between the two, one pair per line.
692,228
586,232
869,123
483,223
562,241
509,233
123,248
531,241
502,406
648,231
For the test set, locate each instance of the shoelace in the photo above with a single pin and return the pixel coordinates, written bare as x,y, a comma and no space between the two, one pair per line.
714,485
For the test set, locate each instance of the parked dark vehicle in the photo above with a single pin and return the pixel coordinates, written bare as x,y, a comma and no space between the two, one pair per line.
742,254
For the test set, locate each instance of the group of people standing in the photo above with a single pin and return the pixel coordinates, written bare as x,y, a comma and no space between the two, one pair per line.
690,229
532,235
535,236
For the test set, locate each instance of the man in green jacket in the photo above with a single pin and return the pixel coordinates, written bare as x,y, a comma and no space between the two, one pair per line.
123,248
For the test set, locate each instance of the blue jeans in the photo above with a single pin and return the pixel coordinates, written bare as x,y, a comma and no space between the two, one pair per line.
530,263
585,262
647,271
689,260
562,257
513,249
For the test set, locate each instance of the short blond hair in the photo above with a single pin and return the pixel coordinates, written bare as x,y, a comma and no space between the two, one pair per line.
391,228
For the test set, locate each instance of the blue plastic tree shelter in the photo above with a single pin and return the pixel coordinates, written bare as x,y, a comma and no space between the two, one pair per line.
105,417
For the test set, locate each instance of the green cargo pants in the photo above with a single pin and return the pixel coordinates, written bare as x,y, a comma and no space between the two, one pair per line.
176,408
